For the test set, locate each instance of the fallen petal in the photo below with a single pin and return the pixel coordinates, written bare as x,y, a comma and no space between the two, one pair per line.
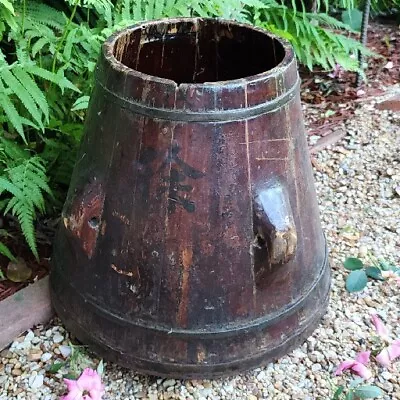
344,365
361,370
363,357
394,350
383,358
380,327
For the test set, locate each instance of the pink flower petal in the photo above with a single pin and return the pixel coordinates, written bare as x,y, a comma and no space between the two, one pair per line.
71,384
95,395
394,350
383,358
345,365
90,380
363,357
74,394
380,327
361,370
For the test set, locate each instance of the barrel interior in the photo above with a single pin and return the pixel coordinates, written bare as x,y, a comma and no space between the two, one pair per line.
197,51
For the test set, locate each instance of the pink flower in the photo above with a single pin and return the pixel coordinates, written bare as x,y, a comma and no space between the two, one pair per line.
357,365
380,327
87,387
389,354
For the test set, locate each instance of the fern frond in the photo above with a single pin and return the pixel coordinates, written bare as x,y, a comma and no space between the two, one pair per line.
23,94
5,251
26,182
42,14
11,112
59,79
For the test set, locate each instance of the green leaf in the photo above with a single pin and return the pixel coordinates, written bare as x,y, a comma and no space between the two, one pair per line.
353,18
71,376
356,281
374,273
81,103
350,396
338,392
355,382
368,392
385,266
55,367
353,264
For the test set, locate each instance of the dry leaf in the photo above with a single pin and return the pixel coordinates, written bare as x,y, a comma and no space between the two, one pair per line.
18,271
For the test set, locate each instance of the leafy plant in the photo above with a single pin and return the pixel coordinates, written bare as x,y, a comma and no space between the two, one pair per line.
357,390
75,362
358,278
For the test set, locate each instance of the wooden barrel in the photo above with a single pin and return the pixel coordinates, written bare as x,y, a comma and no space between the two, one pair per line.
190,242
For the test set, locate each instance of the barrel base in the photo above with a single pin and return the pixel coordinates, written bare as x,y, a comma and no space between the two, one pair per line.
206,355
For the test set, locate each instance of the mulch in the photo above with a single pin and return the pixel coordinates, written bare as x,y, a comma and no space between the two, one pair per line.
336,98
18,247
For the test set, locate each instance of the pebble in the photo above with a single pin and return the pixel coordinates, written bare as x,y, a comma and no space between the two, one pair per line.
46,357
35,355
65,351
353,179
58,338
35,382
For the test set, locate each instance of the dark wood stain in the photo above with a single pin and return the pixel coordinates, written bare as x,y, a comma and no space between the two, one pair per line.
191,244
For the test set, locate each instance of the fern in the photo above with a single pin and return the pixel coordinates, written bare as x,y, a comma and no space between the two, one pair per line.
19,87
25,183
312,35
5,251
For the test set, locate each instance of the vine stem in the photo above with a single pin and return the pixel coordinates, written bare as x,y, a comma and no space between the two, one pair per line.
23,17
63,37
364,33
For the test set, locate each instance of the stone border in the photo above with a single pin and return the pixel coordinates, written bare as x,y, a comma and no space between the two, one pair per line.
26,308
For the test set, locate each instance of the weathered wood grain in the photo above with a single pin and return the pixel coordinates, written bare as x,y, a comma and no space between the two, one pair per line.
23,310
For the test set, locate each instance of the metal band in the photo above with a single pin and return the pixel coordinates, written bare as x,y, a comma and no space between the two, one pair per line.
205,116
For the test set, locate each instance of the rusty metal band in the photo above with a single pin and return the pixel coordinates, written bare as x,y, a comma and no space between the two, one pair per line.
225,330
205,116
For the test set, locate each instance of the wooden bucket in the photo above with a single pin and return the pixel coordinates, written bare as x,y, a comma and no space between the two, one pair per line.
190,243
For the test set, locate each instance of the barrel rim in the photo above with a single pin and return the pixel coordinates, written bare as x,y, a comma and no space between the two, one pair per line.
117,66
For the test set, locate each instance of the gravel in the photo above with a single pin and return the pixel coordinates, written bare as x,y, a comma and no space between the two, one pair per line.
358,183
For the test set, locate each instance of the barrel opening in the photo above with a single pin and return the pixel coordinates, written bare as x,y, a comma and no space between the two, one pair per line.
198,51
